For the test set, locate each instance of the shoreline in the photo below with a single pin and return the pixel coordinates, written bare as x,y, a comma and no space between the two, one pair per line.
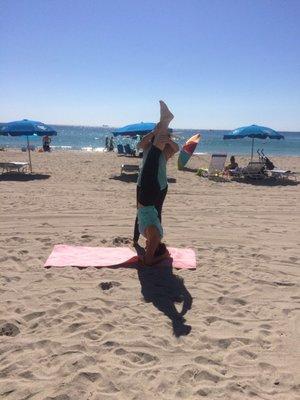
101,149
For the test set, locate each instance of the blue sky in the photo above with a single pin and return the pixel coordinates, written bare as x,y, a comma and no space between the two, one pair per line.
217,63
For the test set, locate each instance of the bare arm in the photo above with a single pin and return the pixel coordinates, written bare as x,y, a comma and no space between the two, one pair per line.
171,149
145,142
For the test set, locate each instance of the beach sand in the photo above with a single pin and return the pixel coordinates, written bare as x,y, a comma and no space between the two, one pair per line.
65,335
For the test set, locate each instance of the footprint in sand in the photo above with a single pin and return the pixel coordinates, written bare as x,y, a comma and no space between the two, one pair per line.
75,327
22,252
293,259
196,375
249,355
8,329
87,237
226,300
46,224
93,335
44,240
108,285
224,343
18,239
265,326
205,360
136,357
284,284
89,376
121,240
34,315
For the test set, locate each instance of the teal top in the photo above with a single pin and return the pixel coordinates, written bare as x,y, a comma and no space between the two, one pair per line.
162,170
148,216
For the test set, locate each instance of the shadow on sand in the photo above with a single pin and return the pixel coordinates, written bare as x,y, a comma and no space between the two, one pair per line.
132,178
187,169
164,289
128,178
267,182
10,176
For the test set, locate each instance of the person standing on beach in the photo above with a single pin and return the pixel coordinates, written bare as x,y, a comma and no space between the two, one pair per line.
168,151
46,143
111,144
106,143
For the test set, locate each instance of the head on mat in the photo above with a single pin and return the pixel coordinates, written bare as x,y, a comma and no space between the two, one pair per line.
150,227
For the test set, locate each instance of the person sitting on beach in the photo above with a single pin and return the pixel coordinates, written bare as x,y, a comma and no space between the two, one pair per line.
232,166
148,221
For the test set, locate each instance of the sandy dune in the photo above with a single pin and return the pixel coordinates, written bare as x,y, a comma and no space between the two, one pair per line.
100,334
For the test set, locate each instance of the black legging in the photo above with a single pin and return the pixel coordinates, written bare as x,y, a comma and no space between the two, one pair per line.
149,192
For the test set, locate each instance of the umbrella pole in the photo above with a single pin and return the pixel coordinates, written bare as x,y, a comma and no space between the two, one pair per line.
29,155
252,149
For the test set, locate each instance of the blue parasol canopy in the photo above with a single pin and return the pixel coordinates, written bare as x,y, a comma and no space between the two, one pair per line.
26,128
254,132
136,129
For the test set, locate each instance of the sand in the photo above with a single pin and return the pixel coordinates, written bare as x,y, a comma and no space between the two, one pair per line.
96,334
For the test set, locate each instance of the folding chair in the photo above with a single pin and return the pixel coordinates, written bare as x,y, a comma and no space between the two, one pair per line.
14,166
215,168
129,168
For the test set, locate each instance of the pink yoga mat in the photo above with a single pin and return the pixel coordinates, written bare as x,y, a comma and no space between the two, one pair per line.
80,256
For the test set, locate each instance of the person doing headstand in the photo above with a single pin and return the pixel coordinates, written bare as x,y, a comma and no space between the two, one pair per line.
148,221
169,150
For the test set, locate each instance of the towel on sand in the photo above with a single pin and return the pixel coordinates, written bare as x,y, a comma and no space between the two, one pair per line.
80,256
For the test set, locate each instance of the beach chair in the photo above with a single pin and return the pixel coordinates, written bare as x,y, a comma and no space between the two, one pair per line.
215,168
120,149
129,168
255,170
14,166
281,174
216,165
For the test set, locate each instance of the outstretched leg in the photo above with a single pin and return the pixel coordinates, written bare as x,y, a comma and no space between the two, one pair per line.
149,188
165,114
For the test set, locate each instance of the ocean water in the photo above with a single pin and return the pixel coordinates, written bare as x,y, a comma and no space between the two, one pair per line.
93,139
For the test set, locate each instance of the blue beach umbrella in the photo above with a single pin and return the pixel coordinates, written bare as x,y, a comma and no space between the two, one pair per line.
26,128
254,132
136,129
